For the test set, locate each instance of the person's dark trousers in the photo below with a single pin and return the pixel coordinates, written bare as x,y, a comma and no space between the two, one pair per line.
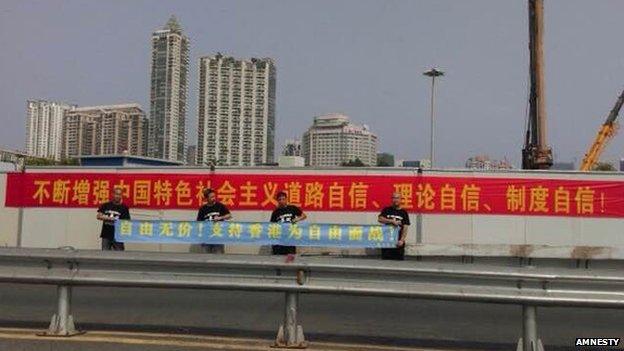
397,254
284,250
213,248
112,245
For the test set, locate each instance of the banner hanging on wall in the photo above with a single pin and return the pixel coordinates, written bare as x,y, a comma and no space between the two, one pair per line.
324,192
258,233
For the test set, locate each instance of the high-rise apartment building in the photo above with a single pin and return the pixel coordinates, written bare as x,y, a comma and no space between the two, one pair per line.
236,110
292,147
484,162
333,140
191,155
105,130
44,125
169,83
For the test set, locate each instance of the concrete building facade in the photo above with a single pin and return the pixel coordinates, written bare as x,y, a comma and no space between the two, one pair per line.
44,126
484,162
105,130
292,147
168,93
424,163
191,155
236,111
333,140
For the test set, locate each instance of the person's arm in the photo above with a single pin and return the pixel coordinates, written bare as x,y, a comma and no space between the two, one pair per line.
100,214
126,214
273,217
301,217
223,217
404,229
224,214
298,215
383,219
226,217
403,235
200,214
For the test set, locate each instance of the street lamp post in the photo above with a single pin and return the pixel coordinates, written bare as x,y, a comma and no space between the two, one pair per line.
433,73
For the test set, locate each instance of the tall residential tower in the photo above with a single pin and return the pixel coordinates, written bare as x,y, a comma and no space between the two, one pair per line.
169,83
44,125
236,110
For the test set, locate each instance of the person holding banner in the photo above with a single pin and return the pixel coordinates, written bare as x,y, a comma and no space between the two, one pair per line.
398,217
285,213
108,213
213,211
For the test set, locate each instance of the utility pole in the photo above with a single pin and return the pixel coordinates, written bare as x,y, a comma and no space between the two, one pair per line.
433,73
536,153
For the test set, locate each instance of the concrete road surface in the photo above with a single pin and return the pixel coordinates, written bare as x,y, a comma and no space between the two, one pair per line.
26,339
390,322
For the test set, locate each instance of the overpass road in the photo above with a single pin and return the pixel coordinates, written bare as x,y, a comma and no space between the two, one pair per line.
26,339
388,322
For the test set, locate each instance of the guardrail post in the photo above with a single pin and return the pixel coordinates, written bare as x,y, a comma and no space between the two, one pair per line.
529,340
62,323
290,334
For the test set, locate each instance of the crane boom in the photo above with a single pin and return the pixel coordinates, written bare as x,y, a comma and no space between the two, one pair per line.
606,132
536,154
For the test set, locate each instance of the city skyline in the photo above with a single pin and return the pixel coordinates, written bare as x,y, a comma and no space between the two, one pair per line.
326,59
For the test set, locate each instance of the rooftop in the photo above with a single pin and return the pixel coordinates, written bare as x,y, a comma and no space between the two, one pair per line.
108,107
333,115
173,25
124,160
220,56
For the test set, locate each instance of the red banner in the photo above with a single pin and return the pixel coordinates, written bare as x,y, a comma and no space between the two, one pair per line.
426,194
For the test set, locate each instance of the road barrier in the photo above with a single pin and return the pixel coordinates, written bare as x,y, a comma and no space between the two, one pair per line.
527,286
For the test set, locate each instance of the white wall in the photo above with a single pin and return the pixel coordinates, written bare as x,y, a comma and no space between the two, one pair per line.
8,218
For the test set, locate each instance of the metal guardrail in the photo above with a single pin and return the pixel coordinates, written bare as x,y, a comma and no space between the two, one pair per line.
526,286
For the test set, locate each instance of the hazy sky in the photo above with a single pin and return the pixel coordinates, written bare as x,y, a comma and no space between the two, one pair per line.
362,58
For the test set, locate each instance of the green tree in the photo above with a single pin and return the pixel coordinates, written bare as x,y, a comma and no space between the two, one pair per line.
36,161
604,167
69,162
354,163
385,159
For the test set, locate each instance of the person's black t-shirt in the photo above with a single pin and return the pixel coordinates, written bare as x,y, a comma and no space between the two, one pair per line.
117,211
285,214
209,212
399,214
391,212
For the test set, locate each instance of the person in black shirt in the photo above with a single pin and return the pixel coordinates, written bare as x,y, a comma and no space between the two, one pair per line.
285,213
398,217
213,211
108,213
